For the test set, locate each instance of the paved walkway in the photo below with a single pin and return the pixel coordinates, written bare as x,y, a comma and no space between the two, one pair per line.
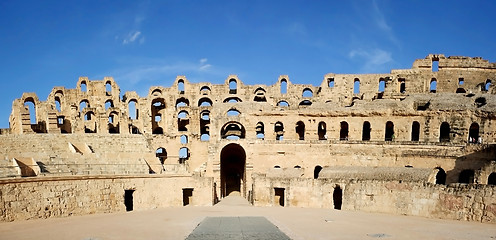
296,223
234,228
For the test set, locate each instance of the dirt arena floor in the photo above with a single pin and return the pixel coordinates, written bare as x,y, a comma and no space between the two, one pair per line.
296,223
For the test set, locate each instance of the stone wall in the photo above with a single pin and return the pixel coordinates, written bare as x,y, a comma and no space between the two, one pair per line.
456,201
44,197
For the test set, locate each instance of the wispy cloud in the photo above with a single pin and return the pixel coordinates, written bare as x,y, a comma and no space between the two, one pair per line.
381,22
375,59
204,65
132,37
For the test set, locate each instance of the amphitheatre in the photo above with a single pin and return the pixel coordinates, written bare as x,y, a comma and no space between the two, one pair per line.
419,142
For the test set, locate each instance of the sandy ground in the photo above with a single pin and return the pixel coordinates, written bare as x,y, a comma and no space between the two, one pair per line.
297,223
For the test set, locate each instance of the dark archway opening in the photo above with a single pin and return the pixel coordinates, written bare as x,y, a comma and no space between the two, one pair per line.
128,199
444,132
316,171
415,131
466,176
232,169
389,136
337,197
473,133
491,180
343,133
440,176
300,130
366,131
322,131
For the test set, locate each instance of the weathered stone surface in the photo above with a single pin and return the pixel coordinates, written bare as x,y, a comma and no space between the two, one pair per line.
384,139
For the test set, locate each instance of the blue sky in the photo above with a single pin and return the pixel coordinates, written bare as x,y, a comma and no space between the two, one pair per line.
145,43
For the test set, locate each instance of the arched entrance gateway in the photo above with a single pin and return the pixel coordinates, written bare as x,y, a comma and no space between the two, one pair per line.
232,170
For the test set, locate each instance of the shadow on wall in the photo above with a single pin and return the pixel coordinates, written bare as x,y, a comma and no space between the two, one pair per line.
470,168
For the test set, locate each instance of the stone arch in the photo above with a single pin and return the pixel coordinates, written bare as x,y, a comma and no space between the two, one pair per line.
279,130
433,86
366,131
113,123
283,85
444,132
109,104
356,86
180,86
133,109
233,86
232,130
343,132
260,130
389,132
83,104
108,88
316,171
415,136
282,104
307,93
300,130
440,176
491,180
232,170
473,133
204,102
161,154
233,112
205,90
260,95
30,105
232,100
182,102
322,131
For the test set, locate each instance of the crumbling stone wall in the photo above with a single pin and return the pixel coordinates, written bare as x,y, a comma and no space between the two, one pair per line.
72,196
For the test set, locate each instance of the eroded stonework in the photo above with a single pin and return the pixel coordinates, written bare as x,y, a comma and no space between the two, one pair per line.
357,141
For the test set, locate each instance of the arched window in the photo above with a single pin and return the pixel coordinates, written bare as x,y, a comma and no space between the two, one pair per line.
343,133
183,154
440,176
233,131
83,104
83,87
108,104
161,154
205,137
133,111
233,86
356,86
57,103
284,86
108,88
233,113
444,132
382,85
260,95
389,133
466,176
491,180
182,115
402,85
205,90
113,124
205,115
29,104
300,130
204,131
232,100
435,65
366,131
433,85
415,131
156,92
307,93
279,130
305,103
180,86
205,102
88,116
487,85
473,133
182,102
316,171
283,104
158,117
322,131
330,82
184,139
260,130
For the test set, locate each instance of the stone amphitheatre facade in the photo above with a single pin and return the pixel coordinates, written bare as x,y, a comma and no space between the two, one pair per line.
417,141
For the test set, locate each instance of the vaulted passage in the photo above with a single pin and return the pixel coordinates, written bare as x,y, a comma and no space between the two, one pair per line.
128,199
232,169
337,197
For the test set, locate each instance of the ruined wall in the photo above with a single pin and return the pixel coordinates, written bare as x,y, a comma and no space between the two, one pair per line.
62,197
457,201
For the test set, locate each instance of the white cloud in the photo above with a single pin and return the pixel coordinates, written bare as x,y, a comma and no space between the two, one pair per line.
375,59
203,64
133,36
